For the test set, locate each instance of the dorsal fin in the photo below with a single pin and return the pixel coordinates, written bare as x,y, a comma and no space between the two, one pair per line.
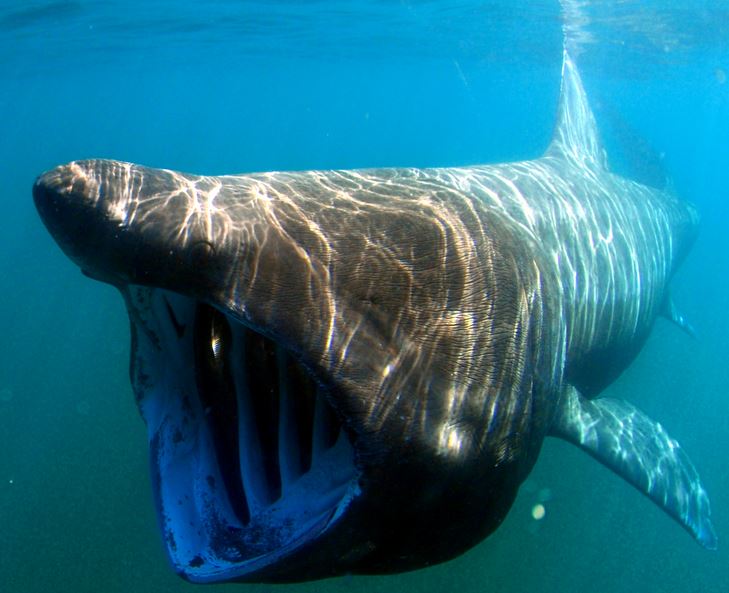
575,134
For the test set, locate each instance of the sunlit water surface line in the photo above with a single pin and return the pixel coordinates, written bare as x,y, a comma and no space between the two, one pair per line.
46,33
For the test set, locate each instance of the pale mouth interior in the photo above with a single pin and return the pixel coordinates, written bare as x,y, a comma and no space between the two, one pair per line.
249,460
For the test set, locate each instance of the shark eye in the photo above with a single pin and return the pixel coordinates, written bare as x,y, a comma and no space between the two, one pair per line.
201,253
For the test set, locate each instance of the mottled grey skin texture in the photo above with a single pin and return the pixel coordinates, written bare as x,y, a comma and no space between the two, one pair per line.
459,316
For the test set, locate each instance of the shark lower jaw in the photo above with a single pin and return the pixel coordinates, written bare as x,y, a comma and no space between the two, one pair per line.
250,464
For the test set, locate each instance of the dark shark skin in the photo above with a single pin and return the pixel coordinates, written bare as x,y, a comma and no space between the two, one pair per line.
354,371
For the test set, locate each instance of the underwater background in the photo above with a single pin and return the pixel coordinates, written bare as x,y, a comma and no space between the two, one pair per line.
237,86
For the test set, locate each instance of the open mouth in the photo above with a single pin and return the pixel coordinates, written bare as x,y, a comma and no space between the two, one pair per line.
249,459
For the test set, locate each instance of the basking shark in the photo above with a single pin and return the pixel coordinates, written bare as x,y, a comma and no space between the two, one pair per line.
354,371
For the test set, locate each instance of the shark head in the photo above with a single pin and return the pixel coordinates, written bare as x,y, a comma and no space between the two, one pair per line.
309,358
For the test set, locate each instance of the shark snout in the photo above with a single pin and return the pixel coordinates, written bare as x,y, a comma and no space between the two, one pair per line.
85,205
128,224
64,199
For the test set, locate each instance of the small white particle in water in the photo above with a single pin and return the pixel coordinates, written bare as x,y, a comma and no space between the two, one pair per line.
538,512
10,481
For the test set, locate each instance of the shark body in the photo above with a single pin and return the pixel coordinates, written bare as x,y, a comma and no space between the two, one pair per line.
354,371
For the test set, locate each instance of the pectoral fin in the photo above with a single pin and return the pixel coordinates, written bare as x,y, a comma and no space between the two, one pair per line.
671,312
638,449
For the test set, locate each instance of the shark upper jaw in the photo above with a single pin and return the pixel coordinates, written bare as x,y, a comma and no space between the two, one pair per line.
249,461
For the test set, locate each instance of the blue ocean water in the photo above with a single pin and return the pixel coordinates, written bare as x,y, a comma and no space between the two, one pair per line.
235,86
